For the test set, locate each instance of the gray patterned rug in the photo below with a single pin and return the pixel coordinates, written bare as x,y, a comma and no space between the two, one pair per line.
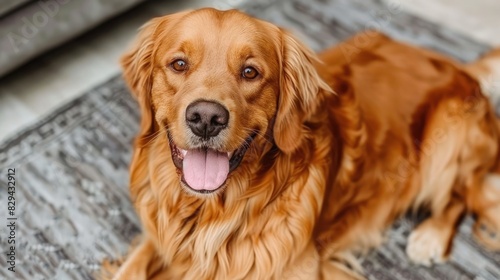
73,208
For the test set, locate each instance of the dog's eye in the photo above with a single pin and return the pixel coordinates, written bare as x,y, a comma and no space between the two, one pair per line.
179,65
249,73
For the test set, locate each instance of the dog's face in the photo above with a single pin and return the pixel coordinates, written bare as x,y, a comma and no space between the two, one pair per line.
215,93
215,82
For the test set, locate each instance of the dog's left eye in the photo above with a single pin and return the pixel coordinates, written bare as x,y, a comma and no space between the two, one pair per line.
249,73
179,65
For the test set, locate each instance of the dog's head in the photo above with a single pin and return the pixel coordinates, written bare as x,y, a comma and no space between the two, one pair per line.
217,82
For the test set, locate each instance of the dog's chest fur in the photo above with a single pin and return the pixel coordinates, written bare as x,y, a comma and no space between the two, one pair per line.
237,235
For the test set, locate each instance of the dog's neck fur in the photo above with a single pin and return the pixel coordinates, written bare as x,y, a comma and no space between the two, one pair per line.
202,231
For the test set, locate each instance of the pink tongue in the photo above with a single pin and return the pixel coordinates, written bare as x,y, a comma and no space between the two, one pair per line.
205,169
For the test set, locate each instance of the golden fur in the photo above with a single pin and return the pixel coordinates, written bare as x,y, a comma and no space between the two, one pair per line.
344,147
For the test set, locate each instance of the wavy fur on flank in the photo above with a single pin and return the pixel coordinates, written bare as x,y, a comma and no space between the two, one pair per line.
342,148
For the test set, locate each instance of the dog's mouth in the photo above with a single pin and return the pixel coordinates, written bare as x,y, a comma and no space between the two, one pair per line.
205,170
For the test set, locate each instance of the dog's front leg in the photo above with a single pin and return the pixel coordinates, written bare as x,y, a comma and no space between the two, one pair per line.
137,263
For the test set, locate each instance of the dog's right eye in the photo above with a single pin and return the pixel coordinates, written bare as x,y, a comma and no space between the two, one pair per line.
249,73
179,65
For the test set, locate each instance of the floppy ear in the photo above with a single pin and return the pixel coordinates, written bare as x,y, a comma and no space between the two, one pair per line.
300,84
138,66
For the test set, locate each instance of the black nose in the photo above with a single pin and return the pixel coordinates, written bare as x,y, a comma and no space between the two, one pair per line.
206,118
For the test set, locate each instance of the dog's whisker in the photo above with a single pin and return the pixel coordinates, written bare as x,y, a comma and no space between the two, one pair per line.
153,137
259,133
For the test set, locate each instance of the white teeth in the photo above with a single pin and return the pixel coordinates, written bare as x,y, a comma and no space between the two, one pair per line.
230,154
183,152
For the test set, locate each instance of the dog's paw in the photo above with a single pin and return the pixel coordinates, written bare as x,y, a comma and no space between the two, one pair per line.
487,234
428,244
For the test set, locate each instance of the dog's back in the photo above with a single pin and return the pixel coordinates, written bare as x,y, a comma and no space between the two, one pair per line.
426,136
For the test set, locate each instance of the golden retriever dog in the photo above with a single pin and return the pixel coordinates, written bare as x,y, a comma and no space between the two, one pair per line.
258,159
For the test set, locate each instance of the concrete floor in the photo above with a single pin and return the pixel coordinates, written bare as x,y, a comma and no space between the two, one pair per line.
53,79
